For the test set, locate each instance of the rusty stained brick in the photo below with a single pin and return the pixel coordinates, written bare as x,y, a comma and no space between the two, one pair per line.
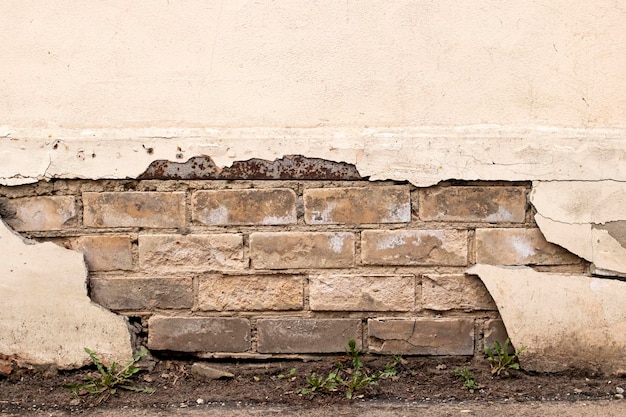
291,167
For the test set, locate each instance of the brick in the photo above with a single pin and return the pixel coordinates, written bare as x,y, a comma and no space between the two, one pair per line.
450,292
357,205
104,253
250,293
414,247
495,331
134,209
519,247
195,253
307,335
199,334
41,213
473,204
241,207
362,293
284,250
423,336
142,293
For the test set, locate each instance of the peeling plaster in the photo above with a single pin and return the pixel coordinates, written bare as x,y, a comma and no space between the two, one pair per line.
586,218
47,317
564,321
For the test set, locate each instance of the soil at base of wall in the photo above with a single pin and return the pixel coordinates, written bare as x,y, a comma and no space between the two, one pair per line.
418,379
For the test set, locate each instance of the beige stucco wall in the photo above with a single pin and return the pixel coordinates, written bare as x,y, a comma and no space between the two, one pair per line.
324,62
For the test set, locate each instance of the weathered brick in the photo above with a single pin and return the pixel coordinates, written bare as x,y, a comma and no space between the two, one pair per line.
249,293
449,292
414,247
134,209
519,247
357,205
362,293
191,252
40,213
495,331
283,250
235,207
142,293
423,336
473,204
307,335
104,253
199,334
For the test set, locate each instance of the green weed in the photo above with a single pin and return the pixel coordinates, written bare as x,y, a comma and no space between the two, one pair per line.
468,379
500,359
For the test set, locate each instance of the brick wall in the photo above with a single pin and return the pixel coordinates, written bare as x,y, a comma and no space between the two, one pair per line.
250,267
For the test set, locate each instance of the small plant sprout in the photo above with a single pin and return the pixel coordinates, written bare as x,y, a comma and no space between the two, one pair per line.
500,359
291,375
352,378
110,378
468,379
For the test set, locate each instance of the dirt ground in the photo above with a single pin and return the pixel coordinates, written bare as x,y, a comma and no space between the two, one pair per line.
419,381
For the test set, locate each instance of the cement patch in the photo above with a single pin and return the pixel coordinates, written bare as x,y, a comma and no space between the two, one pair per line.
564,321
46,316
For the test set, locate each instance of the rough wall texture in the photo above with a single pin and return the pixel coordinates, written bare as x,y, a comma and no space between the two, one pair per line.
255,267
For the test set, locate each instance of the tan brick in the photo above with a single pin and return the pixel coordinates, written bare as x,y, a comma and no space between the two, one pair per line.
198,253
495,331
142,293
41,213
362,293
307,335
473,204
199,334
519,247
284,250
104,253
449,292
357,205
134,209
234,207
424,336
414,247
249,293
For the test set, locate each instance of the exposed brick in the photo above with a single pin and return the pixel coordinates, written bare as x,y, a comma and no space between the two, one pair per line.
134,209
357,205
449,336
473,204
234,207
41,213
142,293
495,331
362,293
175,253
199,334
249,293
307,335
519,247
449,292
104,253
283,250
414,247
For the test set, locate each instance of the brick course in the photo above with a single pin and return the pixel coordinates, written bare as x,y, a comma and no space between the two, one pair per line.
357,205
238,207
250,293
105,253
519,247
142,293
298,250
414,247
41,213
449,292
473,204
134,209
199,334
307,335
362,293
